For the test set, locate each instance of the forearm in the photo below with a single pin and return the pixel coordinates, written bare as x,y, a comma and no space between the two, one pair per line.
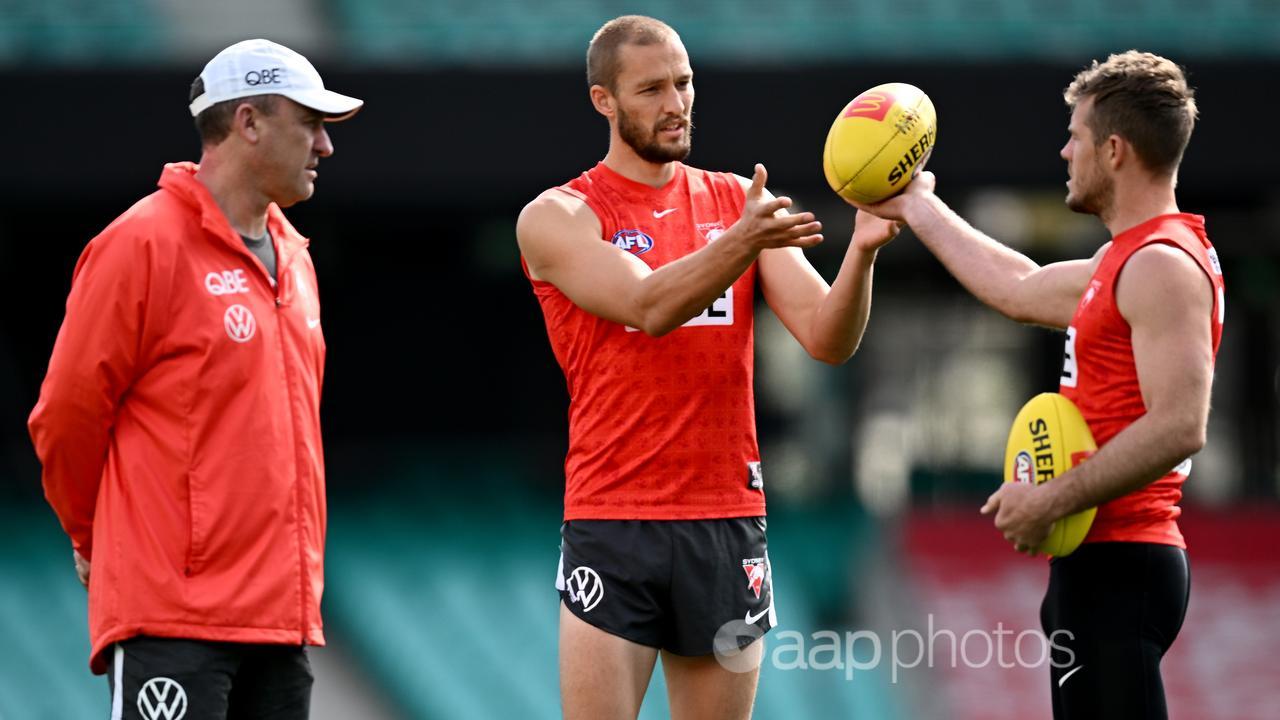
678,291
841,319
1139,455
988,270
72,451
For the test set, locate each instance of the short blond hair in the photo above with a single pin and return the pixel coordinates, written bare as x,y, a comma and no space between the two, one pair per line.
603,64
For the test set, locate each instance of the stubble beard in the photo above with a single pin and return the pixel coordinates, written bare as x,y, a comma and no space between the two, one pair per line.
1094,198
645,142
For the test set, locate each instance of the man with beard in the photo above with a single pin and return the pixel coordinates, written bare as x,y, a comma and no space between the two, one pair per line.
1143,319
646,270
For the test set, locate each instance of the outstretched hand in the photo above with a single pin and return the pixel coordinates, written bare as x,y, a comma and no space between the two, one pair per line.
764,225
872,233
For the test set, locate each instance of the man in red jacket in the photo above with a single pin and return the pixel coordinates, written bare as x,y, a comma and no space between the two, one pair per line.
179,425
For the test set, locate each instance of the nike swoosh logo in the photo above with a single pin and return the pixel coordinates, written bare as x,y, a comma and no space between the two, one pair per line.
664,213
751,619
313,324
1063,679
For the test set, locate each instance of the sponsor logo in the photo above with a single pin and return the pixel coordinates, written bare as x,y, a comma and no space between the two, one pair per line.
585,587
1022,467
753,619
265,76
240,324
874,105
659,215
755,475
313,323
914,157
1213,261
226,282
1071,672
162,699
755,569
633,241
1042,446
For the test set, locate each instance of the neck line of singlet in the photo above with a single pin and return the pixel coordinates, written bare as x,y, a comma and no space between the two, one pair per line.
1139,231
624,183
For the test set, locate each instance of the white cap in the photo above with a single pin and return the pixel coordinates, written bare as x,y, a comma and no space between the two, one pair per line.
261,67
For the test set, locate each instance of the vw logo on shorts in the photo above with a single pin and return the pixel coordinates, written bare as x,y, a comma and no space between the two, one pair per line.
162,699
585,587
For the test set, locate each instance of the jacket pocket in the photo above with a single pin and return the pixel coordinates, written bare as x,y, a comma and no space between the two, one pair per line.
195,533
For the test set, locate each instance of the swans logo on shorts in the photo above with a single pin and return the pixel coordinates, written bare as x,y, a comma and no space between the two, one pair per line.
585,587
755,569
635,242
1022,467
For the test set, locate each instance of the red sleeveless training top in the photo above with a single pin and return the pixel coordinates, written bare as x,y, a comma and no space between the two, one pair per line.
1100,377
659,428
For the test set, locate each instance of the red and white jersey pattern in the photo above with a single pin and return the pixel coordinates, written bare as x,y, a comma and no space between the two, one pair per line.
1100,377
659,428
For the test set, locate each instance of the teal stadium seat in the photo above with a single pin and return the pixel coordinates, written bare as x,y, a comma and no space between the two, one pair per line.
81,31
512,32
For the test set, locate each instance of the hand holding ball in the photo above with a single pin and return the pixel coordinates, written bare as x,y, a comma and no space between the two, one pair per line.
879,142
1048,438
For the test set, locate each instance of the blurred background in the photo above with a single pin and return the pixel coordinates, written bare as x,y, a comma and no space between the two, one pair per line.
444,411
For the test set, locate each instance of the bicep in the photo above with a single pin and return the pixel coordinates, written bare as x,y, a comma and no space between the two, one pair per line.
561,243
1167,300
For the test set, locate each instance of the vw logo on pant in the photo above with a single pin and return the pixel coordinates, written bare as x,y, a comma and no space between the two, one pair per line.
162,699
585,587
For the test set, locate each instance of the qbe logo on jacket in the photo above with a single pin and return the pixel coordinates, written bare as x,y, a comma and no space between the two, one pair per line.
240,324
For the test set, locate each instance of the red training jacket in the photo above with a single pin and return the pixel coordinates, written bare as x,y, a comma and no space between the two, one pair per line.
179,427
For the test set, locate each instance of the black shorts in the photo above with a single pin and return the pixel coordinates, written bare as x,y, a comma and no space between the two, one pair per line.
1116,608
152,678
669,584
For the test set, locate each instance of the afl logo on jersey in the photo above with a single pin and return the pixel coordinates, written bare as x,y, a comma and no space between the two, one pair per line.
633,241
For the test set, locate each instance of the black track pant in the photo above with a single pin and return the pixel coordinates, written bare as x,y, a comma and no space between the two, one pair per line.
1111,612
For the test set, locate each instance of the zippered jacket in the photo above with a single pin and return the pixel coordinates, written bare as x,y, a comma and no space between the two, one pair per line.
179,427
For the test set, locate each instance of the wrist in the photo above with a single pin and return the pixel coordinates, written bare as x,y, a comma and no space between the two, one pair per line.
916,207
1058,499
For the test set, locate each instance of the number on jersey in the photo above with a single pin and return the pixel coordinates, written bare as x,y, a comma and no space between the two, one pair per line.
1069,374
